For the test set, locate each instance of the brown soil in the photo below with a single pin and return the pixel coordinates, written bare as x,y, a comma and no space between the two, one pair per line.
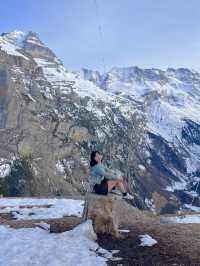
56,225
178,244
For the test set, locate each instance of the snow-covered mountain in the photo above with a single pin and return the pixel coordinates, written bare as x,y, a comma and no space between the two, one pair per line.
146,121
170,102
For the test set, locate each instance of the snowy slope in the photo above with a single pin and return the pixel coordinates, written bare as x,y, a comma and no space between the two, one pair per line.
57,75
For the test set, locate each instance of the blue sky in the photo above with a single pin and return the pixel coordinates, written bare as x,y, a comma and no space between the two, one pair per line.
146,33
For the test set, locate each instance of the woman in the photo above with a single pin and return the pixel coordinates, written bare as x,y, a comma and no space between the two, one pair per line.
105,180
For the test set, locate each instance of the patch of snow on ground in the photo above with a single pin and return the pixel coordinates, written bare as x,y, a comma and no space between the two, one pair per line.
191,207
35,246
185,219
4,202
59,208
147,240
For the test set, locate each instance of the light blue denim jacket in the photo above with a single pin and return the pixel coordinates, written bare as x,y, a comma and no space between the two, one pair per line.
99,171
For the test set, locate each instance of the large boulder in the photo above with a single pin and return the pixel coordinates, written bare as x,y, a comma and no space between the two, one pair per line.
109,213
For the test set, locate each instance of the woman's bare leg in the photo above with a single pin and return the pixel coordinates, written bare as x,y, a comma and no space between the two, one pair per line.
111,184
116,183
120,186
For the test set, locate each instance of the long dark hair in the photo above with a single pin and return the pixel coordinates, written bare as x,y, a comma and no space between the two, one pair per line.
93,162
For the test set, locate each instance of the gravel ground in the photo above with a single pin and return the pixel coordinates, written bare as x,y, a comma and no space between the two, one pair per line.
177,245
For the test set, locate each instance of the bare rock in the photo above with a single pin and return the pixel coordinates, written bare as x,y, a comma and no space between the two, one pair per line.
111,212
101,210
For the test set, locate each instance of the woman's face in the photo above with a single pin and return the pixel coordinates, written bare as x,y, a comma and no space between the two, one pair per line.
98,157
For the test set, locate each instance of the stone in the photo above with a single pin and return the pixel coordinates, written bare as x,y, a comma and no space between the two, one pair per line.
111,212
101,210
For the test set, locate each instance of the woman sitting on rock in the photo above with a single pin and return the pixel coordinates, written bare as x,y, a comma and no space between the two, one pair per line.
105,180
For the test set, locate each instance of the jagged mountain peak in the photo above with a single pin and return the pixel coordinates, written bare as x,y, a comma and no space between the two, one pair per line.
30,43
20,38
135,73
33,38
15,37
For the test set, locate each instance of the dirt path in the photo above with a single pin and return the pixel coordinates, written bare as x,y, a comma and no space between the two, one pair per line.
178,244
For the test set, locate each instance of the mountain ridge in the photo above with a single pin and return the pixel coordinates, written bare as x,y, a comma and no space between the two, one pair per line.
125,106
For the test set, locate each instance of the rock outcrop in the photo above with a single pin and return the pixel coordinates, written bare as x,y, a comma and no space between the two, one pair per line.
110,213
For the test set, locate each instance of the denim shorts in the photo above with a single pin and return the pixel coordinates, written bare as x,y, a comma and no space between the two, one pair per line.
102,188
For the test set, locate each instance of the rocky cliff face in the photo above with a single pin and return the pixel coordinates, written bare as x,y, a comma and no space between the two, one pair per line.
144,121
